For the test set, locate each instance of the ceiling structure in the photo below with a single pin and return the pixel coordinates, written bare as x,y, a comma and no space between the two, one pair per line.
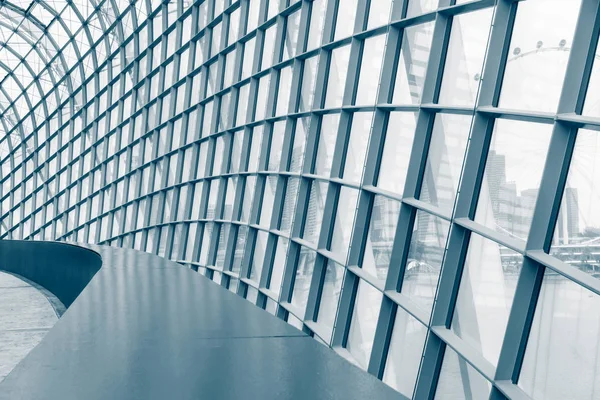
48,49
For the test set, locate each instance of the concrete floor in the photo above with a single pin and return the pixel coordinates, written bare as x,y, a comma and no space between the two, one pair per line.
26,315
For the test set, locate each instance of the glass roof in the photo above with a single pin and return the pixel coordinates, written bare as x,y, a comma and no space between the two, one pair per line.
49,48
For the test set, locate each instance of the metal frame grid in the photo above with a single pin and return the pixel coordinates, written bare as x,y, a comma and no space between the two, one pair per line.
248,140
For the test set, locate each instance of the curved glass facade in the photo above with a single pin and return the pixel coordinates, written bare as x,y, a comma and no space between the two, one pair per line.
413,182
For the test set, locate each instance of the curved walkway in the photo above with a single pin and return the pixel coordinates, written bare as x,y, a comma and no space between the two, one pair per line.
147,328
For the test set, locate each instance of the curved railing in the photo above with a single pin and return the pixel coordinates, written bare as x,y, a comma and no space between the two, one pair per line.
61,268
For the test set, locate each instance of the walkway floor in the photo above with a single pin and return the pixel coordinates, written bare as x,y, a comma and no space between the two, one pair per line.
26,315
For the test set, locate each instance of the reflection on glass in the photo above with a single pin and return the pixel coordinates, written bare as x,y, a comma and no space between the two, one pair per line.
278,265
260,246
268,47
562,358
425,256
538,55
464,60
249,47
275,151
261,111
345,19
379,14
512,177
380,239
271,307
577,233
414,55
591,106
240,245
332,287
317,19
418,7
304,271
222,247
459,380
357,146
205,244
248,198
364,323
257,137
316,205
344,220
326,147
486,292
445,159
309,77
404,354
336,81
299,145
233,284
267,201
284,89
291,37
217,277
252,294
295,322
289,204
370,69
396,151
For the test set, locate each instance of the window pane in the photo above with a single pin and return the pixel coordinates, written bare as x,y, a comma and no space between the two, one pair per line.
512,176
425,256
379,14
332,287
486,292
396,151
561,359
380,239
404,354
326,146
364,323
445,159
591,106
538,55
317,19
370,69
309,77
459,380
344,220
278,265
414,55
577,230
344,26
314,213
464,60
291,37
277,136
418,7
289,205
304,271
267,201
283,95
357,146
299,145
336,82
258,258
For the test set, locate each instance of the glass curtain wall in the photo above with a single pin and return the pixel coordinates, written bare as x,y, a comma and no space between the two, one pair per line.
414,183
